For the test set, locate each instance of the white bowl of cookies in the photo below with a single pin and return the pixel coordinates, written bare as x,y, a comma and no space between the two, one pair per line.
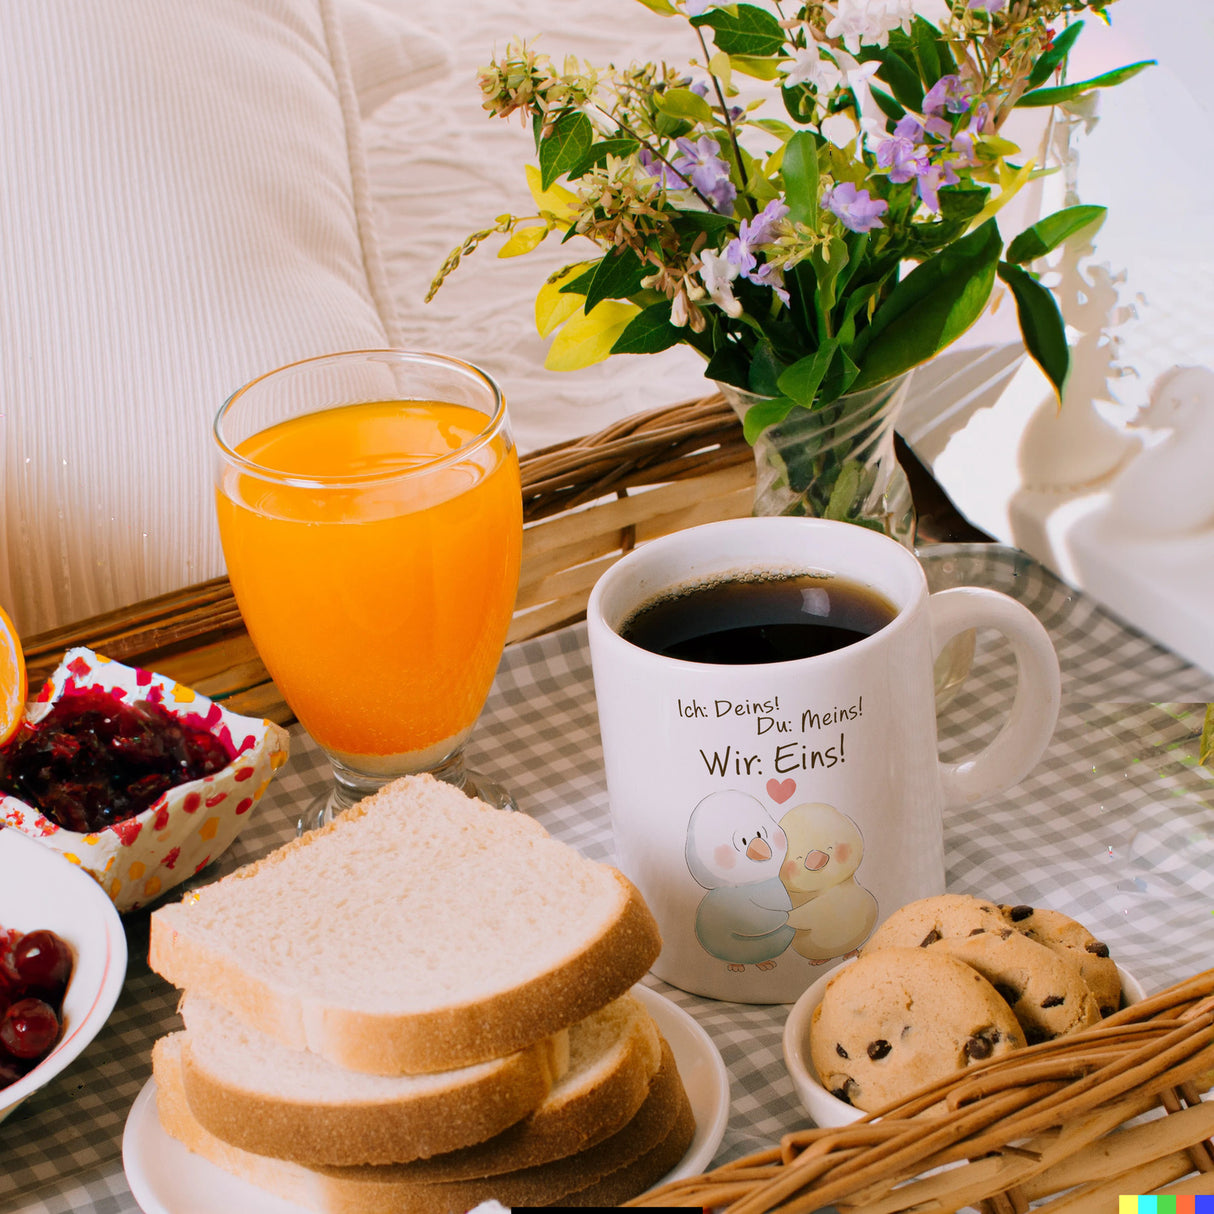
942,984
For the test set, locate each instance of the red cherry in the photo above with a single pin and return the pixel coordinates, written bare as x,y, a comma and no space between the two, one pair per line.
29,1028
10,1071
43,962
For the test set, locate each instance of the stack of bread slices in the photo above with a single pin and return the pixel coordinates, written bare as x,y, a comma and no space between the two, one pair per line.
425,1005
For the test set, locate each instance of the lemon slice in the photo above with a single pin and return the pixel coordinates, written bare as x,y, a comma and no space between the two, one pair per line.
13,685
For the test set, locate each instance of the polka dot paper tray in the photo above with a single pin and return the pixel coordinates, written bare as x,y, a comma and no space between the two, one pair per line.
188,826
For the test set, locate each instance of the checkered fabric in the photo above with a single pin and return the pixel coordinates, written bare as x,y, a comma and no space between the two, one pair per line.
1114,827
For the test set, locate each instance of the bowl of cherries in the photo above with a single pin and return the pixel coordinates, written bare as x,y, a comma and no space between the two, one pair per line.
62,964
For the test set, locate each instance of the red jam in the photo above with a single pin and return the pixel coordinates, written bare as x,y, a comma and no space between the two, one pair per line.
34,972
95,760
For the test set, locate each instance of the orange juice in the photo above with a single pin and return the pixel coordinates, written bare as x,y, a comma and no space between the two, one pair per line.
379,601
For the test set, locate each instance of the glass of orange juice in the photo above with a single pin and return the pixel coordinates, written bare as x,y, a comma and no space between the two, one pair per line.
371,517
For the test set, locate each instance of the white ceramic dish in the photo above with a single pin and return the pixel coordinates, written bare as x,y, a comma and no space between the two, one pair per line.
165,1178
40,889
827,1110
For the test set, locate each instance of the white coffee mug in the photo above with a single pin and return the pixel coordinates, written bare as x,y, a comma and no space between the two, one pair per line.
773,814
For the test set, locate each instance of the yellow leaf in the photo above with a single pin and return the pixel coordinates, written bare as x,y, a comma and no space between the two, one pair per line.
555,200
585,340
1010,181
757,66
993,145
552,306
523,240
721,68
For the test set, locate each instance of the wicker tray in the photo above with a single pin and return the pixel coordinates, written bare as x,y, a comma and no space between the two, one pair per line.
1066,1124
585,503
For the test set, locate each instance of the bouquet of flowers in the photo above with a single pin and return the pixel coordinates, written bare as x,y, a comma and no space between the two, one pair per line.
812,204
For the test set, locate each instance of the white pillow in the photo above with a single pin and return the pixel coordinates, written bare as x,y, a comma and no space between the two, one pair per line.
387,55
183,206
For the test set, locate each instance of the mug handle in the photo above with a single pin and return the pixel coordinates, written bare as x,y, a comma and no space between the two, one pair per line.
1030,725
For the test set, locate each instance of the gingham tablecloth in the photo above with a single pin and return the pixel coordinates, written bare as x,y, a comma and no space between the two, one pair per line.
1115,827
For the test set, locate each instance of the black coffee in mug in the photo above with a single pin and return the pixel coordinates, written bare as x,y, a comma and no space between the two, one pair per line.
762,617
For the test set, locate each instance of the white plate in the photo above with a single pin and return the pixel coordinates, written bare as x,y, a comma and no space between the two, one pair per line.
165,1178
40,889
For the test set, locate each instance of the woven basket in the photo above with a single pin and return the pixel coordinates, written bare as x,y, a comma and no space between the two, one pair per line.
1068,1126
585,503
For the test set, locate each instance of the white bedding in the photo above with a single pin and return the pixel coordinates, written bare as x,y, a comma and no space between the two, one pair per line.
441,168
190,196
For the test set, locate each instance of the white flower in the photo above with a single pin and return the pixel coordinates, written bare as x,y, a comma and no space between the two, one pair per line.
812,67
717,274
868,21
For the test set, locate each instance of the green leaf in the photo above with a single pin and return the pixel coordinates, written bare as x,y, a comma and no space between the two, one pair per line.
886,104
1065,92
662,7
1205,754
800,103
649,332
800,382
564,147
826,273
616,276
924,42
843,493
743,29
765,369
580,284
799,170
1052,59
756,66
930,308
1040,323
729,365
961,202
597,153
685,105
774,126
901,76
1048,233
767,411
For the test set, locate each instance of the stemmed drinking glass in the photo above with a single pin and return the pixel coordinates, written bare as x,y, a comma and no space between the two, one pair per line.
371,517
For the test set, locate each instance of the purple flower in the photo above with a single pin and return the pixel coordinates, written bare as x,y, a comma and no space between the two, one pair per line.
768,275
963,141
949,93
988,6
707,171
752,235
654,166
904,158
930,182
856,209
764,228
909,127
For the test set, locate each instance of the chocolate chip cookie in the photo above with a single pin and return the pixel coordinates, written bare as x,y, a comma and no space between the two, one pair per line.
1046,991
944,916
899,1018
1072,940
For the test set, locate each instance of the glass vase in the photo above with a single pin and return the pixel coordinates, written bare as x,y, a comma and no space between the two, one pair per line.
835,461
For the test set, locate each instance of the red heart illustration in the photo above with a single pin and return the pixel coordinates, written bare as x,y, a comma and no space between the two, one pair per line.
780,790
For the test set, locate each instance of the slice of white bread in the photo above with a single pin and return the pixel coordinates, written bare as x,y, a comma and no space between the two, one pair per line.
631,1160
261,1096
614,1055
420,931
